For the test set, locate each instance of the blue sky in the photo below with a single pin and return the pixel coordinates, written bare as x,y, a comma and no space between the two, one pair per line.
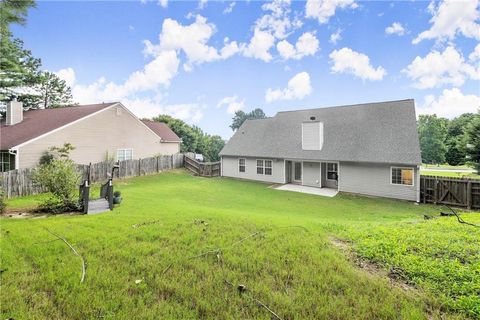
201,61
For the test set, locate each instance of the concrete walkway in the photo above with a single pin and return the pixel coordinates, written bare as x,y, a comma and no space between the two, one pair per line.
326,192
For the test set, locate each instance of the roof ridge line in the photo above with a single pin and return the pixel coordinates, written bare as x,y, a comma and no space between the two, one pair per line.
347,105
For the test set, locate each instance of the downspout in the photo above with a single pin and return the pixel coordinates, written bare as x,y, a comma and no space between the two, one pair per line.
15,153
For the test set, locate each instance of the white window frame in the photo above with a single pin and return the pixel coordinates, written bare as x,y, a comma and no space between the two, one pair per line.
265,167
402,184
124,150
326,169
244,165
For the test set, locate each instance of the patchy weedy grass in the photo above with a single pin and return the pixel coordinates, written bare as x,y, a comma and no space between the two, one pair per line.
441,255
449,174
177,243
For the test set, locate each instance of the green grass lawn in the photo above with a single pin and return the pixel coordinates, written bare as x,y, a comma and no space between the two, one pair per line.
450,174
276,243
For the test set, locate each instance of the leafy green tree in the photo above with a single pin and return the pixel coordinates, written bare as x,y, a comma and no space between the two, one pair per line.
193,138
49,92
183,130
432,133
456,140
473,146
240,117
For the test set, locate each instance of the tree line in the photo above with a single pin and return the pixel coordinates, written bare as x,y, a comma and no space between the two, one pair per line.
455,141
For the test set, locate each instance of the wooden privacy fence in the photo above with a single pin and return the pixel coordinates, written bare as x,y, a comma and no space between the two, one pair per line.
459,192
19,182
204,169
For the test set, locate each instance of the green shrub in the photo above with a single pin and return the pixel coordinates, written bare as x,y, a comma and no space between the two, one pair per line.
59,177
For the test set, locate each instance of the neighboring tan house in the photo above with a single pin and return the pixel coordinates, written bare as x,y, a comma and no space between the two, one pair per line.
371,149
97,131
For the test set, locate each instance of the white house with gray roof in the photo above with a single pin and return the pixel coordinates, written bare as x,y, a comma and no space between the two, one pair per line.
371,149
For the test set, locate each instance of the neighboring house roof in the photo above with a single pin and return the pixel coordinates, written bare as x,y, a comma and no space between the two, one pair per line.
38,122
384,132
162,130
42,121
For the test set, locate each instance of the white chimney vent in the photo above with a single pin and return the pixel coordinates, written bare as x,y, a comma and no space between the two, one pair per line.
14,112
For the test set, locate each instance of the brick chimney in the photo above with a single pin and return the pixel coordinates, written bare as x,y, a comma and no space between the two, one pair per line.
14,112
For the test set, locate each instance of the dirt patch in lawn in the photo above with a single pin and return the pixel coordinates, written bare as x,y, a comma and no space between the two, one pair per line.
394,275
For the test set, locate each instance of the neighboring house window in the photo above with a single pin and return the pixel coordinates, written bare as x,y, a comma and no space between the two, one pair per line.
332,171
264,167
268,167
260,167
241,165
403,176
312,135
5,161
124,154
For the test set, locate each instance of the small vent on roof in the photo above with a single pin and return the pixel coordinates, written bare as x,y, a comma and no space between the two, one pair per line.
312,118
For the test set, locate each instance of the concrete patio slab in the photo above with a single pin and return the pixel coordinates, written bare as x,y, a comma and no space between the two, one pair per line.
326,192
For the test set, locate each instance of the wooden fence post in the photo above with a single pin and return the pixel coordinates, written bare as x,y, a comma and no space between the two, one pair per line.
139,167
435,191
469,195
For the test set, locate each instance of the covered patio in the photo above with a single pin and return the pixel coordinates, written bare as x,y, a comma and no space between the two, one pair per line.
326,192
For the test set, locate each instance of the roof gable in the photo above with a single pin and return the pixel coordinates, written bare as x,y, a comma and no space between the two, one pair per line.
43,121
376,132
162,130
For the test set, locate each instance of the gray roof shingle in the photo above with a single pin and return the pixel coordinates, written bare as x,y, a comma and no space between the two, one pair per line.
384,132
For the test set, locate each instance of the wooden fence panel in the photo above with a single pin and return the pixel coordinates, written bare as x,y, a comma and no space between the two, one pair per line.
450,191
204,169
19,182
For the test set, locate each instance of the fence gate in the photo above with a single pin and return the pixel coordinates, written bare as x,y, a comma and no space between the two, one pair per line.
450,191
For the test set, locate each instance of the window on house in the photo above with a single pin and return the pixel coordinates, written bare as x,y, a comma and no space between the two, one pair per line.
402,176
332,171
6,161
268,167
260,167
241,165
124,154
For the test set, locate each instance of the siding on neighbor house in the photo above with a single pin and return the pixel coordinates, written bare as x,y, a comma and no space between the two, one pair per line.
375,180
230,169
98,135
311,174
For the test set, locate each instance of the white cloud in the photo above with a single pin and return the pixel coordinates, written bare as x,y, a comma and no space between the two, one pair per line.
273,25
450,104
229,8
232,103
259,46
346,60
68,75
202,4
151,107
307,45
452,17
192,40
395,28
336,36
475,55
440,68
323,10
298,87
163,3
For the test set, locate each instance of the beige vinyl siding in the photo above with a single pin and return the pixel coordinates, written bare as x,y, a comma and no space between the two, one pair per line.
230,169
375,180
98,135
